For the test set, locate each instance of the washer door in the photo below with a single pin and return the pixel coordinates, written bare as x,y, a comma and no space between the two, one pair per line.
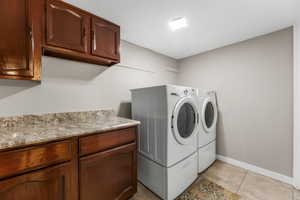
209,115
184,120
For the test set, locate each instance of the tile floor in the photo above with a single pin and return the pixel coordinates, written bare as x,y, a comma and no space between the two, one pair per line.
249,185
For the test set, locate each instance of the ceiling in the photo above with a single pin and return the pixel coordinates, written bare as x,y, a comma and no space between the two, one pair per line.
212,23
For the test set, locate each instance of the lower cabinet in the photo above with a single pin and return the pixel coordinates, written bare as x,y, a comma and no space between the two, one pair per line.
109,175
50,184
93,167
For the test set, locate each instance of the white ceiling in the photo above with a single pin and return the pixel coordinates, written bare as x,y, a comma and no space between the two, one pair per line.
212,23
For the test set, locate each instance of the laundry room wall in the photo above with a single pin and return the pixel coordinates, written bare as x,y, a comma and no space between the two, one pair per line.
297,97
75,86
254,84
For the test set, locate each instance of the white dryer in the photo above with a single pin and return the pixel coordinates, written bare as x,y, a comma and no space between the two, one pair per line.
207,129
167,158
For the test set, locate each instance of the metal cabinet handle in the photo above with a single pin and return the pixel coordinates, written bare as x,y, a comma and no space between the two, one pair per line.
30,33
29,28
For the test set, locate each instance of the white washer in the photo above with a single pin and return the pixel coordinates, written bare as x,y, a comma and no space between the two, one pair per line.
207,129
167,158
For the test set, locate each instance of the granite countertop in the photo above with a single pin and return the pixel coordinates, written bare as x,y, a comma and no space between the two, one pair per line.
33,129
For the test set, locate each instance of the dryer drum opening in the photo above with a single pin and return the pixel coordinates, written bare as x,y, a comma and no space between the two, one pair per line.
209,114
186,120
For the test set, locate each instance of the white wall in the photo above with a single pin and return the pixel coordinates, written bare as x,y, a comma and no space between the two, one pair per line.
74,86
254,84
296,169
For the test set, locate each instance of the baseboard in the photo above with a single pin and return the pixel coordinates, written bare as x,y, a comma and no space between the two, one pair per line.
258,170
296,185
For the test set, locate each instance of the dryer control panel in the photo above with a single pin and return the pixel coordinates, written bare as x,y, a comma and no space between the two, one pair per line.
185,92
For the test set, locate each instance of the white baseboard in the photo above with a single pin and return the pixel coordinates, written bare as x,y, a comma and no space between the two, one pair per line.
296,185
258,170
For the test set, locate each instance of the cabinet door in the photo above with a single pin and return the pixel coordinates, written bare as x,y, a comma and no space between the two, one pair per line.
49,184
17,45
109,175
106,39
66,26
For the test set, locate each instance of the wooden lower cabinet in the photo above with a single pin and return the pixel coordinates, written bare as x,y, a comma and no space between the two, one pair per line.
50,184
55,171
109,175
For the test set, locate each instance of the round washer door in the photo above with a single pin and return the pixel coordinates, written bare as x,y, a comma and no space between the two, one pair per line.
209,115
184,120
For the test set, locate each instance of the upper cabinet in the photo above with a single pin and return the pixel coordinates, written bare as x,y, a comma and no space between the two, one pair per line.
75,34
106,39
20,46
56,28
67,27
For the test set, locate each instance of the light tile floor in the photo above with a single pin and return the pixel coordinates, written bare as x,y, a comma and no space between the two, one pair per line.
249,185
296,195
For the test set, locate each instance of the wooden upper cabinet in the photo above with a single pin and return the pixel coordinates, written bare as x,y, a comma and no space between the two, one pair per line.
20,39
52,184
67,27
75,34
105,39
62,30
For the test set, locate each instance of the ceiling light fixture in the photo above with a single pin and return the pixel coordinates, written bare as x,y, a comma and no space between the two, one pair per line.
178,23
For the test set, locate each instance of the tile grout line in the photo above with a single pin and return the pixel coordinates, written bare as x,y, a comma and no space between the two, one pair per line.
242,181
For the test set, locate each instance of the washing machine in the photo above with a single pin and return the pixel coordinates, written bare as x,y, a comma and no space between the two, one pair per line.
208,111
167,139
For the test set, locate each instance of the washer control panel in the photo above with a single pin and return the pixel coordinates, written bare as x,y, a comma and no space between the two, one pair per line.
184,92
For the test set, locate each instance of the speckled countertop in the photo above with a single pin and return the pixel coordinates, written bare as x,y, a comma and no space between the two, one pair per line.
33,129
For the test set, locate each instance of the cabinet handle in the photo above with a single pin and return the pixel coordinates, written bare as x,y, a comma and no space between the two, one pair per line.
83,32
29,31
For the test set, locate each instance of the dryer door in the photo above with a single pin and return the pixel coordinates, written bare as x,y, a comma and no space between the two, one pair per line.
209,115
184,120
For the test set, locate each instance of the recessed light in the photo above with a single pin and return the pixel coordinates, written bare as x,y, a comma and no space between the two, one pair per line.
178,23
